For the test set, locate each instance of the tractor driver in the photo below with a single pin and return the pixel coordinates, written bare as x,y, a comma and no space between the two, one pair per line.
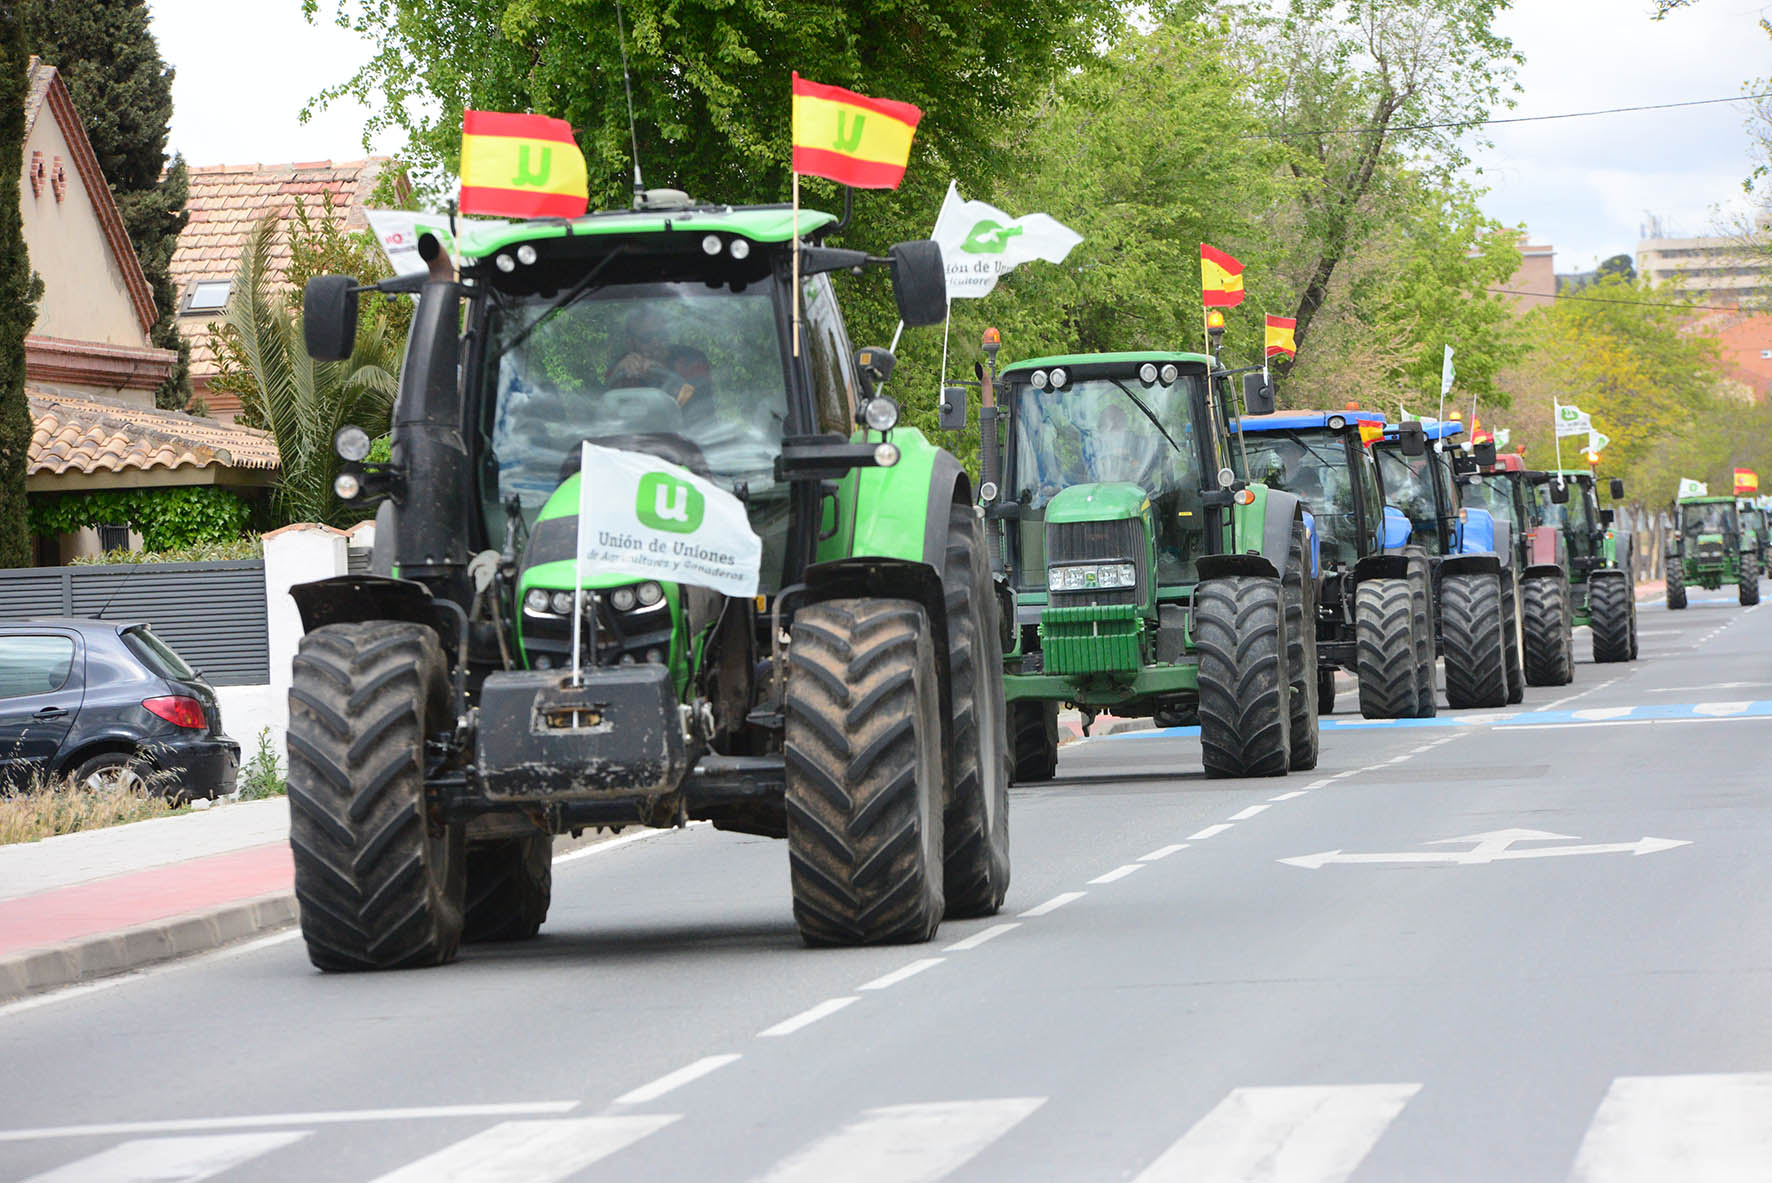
650,359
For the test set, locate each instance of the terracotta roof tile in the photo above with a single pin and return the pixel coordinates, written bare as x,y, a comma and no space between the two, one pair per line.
98,435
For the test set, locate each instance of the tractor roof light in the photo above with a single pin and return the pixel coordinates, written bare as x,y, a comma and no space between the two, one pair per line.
992,338
711,244
1337,422
740,248
1147,373
526,255
1169,374
1058,376
1037,379
504,263
1215,321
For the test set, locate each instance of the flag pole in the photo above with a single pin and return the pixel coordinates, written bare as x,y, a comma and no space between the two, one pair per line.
796,280
1556,440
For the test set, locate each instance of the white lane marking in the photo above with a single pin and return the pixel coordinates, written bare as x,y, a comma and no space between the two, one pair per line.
1119,872
1308,1134
1717,1128
256,1120
1162,852
1426,747
169,1160
1209,832
1399,759
572,856
1250,812
979,938
1054,904
1596,714
901,973
1289,796
1721,709
905,1143
530,1151
807,1017
1353,771
1637,723
676,1080
1703,689
1315,784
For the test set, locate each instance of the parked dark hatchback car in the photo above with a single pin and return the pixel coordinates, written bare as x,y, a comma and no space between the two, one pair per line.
108,701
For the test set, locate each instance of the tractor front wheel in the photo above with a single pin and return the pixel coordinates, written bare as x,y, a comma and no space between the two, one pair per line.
1384,639
1750,579
1516,667
1245,715
1676,584
1301,652
380,880
1610,612
1546,628
864,773
1476,644
1033,739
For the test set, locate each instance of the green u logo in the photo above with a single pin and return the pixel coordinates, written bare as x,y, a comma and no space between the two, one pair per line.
666,503
849,133
530,178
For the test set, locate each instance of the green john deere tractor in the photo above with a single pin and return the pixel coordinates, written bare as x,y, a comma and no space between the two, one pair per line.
1710,548
1602,592
1756,520
1150,578
441,732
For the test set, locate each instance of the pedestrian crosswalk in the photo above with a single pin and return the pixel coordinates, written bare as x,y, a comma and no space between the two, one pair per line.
1709,1128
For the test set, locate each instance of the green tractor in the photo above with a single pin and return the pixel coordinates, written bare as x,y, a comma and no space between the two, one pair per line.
1710,548
1757,520
490,691
1602,592
1506,488
1150,578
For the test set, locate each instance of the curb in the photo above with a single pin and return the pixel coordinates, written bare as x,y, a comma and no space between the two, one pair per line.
54,967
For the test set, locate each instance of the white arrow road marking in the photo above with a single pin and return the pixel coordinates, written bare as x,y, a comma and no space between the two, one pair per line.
1494,846
1651,1129
1311,1134
169,1160
1721,708
905,1143
530,1151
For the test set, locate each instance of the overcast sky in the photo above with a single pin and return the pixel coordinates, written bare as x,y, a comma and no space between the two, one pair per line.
1586,186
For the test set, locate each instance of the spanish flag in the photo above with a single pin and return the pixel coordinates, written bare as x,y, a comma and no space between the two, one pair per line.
849,138
1221,278
1370,432
1746,481
521,166
1279,336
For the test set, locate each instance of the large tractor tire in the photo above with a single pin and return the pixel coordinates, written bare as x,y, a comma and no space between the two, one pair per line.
865,773
1676,584
510,884
1545,624
975,869
1750,579
379,880
1245,715
1611,615
1516,661
1325,690
1033,740
1474,627
1426,622
1389,667
1301,652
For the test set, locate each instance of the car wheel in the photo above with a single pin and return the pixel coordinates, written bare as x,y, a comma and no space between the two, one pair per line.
111,770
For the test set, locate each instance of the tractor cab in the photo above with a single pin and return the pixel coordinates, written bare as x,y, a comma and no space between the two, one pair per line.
1423,483
1325,459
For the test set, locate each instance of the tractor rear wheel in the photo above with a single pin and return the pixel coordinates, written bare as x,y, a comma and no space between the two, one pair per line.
1301,652
1033,739
1325,690
864,773
1545,624
1676,584
975,870
1473,625
1245,715
380,880
1516,668
1426,621
1609,613
1384,641
1750,578
510,884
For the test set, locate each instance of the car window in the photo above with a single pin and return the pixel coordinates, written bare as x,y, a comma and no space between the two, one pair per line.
156,654
34,665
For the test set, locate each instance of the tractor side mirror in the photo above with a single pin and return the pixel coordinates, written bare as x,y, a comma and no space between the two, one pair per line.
919,282
1258,394
329,317
874,366
1413,439
1559,491
952,412
1618,488
1485,453
1396,528
1607,517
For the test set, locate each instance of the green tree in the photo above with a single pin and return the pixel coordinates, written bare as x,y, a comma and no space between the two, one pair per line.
121,87
1618,265
19,289
304,402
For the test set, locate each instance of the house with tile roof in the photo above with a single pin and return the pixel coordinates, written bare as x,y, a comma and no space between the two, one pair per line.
91,368
226,201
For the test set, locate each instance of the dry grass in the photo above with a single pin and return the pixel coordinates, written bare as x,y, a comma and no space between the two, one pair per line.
42,809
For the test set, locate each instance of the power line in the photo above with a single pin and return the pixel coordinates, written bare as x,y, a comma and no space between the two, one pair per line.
1355,131
1637,303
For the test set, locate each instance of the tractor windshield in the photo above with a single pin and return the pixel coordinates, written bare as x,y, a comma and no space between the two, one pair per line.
1714,517
1313,465
1495,493
1409,485
683,371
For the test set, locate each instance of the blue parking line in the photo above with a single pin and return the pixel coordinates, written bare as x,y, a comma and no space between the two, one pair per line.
1647,713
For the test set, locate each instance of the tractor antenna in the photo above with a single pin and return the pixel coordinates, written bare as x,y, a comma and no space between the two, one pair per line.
621,37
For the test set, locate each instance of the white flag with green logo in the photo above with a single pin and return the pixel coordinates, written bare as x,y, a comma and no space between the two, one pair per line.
1692,488
1447,374
980,243
1597,441
1503,436
648,518
1572,420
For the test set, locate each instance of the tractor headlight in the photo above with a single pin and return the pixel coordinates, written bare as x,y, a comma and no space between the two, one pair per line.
1147,373
650,594
526,255
536,601
347,486
1169,374
1078,577
561,602
623,599
880,413
1037,379
351,443
710,244
740,249
1059,377
886,455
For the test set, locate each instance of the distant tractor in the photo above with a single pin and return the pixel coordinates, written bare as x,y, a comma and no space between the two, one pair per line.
1757,521
1709,548
1149,577
1326,459
1602,594
1506,490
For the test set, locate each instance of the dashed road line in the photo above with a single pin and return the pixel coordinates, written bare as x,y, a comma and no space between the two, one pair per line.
1297,792
1055,903
1162,852
979,938
676,1080
807,1017
1209,832
901,973
1253,810
1118,873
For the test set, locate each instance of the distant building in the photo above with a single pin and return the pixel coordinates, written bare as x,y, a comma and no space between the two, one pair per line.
1745,340
1534,285
1715,270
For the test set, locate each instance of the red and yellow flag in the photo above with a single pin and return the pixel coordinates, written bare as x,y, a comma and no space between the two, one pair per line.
1221,278
521,166
849,138
1370,432
1279,336
1746,481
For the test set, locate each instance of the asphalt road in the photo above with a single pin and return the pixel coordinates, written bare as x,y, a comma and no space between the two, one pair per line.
1424,993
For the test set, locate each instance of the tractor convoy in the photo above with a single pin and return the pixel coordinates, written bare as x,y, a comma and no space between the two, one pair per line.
1145,536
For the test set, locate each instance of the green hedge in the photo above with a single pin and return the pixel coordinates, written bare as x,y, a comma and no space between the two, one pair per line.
167,519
